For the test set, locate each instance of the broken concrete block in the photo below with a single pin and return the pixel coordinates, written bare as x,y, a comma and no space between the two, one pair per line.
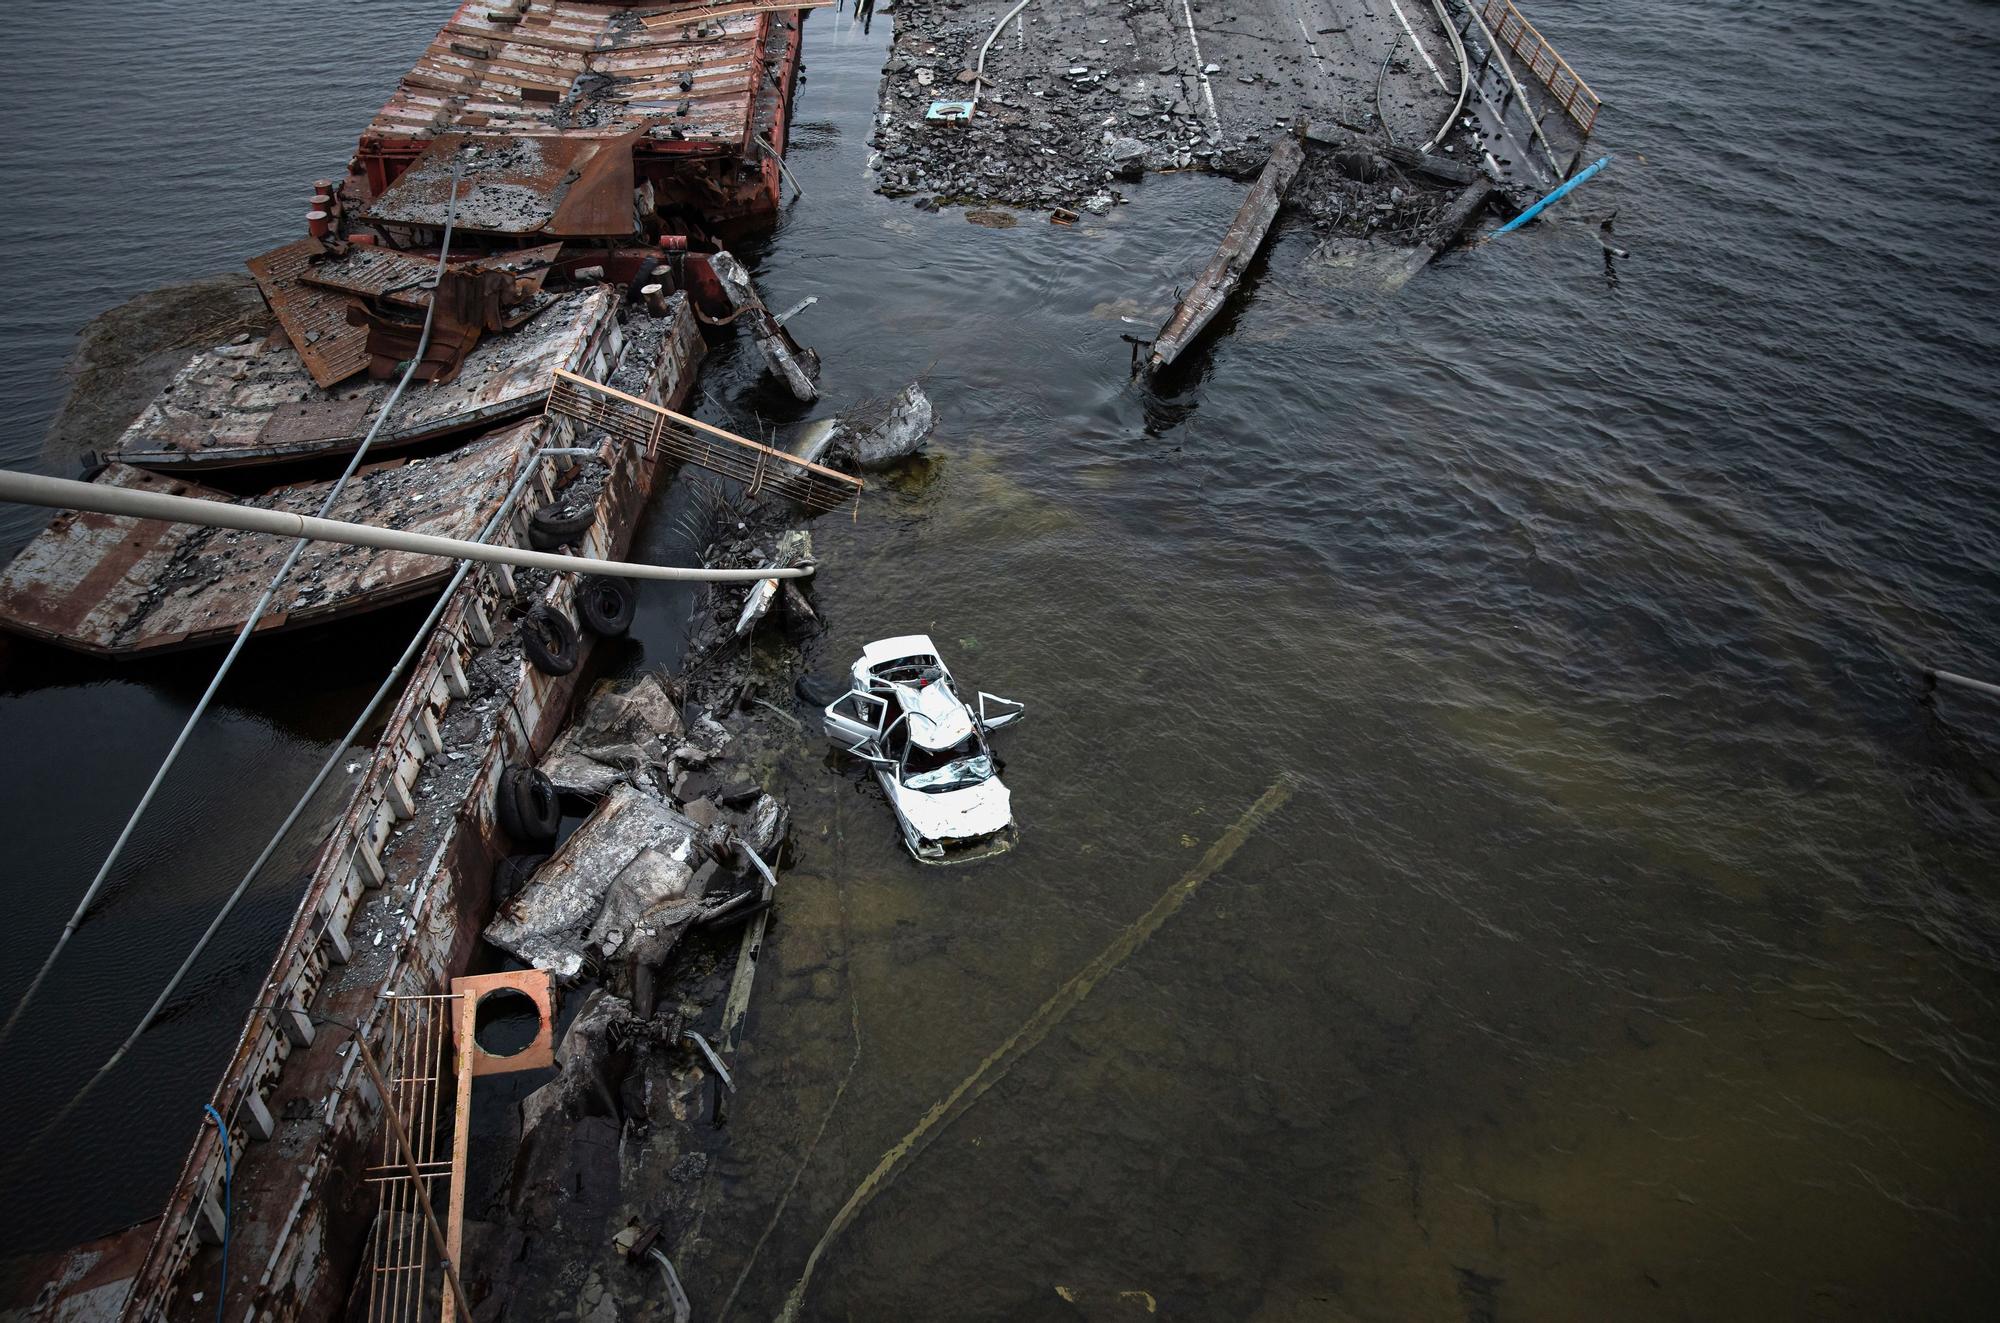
899,435
1127,157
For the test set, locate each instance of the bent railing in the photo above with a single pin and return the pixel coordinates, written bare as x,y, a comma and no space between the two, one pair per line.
660,430
1515,32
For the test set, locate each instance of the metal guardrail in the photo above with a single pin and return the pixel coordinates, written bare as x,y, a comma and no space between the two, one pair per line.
1514,31
758,467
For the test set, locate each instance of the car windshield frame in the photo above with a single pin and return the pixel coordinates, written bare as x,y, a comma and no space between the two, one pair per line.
969,753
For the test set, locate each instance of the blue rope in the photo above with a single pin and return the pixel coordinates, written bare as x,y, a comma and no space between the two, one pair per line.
228,1178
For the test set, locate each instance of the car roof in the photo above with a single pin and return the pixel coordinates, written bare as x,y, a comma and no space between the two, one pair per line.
904,645
940,718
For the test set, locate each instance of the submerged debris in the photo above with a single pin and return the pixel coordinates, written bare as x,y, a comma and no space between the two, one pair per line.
872,435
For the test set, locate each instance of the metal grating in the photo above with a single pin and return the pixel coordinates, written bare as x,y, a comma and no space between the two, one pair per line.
759,468
399,1260
1520,36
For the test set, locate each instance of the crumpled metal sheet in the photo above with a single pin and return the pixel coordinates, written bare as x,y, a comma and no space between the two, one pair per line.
630,856
559,185
315,319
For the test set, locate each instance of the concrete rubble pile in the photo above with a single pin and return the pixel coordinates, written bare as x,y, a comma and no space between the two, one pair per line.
637,909
1079,101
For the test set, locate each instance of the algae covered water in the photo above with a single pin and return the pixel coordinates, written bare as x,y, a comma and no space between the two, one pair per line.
1626,941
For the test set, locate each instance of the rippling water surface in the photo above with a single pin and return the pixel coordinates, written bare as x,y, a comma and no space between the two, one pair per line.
1627,946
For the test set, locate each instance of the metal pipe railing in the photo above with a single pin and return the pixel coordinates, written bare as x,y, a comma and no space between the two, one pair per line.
34,489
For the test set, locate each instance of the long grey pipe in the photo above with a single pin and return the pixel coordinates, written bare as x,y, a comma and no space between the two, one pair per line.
1964,682
34,489
979,69
243,635
1464,75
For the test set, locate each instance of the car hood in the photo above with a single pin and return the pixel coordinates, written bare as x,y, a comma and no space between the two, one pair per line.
962,814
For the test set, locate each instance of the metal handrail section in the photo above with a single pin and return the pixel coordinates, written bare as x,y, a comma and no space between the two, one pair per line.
1520,36
399,1259
662,431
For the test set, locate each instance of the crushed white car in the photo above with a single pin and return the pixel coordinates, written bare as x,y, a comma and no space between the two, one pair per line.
902,715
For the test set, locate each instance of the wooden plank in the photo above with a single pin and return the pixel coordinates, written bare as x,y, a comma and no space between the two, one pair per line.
1240,244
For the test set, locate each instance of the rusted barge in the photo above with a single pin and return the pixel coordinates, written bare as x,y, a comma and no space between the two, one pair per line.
395,903
598,148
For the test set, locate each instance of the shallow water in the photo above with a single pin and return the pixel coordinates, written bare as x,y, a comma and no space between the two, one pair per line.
1628,944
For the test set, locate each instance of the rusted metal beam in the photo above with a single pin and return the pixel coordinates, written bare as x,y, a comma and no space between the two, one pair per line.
1240,244
454,1293
473,1060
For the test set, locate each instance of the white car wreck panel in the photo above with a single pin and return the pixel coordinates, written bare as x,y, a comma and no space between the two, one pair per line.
928,750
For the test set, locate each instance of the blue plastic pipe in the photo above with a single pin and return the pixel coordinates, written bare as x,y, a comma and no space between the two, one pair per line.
228,1213
1536,210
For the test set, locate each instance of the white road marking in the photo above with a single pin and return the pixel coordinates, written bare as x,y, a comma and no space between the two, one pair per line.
1201,72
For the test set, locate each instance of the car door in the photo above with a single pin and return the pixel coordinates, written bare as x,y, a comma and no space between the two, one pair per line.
996,712
856,718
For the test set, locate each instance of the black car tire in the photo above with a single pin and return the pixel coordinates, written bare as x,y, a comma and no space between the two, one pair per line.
561,522
528,807
606,605
550,640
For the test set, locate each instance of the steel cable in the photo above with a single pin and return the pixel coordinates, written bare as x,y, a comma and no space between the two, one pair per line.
243,636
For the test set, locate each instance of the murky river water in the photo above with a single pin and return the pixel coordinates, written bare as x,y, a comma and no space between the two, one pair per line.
1628,945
